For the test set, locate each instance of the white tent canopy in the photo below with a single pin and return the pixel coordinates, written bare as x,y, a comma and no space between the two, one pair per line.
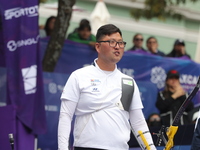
99,16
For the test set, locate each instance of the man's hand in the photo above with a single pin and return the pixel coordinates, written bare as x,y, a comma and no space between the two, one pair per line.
179,91
182,50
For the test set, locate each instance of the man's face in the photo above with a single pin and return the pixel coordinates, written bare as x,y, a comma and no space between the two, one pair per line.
107,53
180,49
152,45
173,82
52,23
138,41
84,34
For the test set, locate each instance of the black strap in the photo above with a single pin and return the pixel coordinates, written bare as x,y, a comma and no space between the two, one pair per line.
127,93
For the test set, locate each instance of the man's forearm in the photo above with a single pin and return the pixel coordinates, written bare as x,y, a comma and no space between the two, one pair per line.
141,130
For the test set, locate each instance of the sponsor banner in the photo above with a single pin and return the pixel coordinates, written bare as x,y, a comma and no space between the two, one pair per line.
141,67
22,59
154,69
148,71
17,12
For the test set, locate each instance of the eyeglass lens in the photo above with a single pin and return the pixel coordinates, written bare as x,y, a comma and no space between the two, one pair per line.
114,43
137,39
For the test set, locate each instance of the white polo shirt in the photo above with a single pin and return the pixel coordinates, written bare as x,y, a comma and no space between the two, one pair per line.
100,121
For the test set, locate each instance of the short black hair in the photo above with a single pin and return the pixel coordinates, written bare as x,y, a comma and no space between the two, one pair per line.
134,37
179,42
107,29
84,21
151,37
46,27
83,26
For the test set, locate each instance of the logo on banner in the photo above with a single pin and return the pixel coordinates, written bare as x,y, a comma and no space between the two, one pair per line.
13,45
19,12
158,76
188,81
54,88
29,77
127,71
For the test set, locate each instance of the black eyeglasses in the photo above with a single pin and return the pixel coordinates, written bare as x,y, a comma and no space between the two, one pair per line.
114,43
137,39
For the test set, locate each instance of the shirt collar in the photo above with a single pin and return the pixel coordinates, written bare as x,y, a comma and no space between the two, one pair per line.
96,65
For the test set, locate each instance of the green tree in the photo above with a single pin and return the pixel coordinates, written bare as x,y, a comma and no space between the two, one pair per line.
57,38
159,9
42,1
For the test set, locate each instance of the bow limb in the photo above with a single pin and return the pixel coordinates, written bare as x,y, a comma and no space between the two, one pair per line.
174,127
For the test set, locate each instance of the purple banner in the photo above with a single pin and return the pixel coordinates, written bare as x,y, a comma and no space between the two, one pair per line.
21,53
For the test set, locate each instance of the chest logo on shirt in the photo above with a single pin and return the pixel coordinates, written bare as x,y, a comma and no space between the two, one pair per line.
128,82
95,82
95,90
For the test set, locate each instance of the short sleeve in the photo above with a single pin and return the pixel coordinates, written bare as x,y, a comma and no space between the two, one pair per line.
71,90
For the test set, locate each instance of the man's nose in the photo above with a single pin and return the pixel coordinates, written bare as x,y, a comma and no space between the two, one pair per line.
117,46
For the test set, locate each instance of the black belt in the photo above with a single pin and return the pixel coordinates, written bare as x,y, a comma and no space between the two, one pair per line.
86,148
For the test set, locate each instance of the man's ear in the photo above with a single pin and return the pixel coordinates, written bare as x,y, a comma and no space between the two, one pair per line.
97,46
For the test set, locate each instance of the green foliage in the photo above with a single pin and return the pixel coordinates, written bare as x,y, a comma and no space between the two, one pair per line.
159,9
42,1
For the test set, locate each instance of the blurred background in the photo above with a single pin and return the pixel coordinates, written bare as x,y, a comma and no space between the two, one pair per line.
121,13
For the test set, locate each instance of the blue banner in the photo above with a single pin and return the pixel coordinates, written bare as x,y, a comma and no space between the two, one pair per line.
145,68
53,86
149,72
21,57
153,69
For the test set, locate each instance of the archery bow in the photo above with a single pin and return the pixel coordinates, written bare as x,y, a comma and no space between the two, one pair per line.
171,131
